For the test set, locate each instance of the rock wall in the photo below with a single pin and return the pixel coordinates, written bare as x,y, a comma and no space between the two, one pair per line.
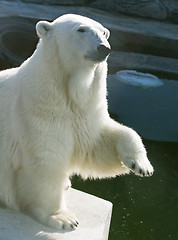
155,9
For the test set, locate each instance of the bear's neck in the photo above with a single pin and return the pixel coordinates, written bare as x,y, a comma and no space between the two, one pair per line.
54,82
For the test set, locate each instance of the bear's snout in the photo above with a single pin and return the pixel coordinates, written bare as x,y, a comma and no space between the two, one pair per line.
100,54
103,51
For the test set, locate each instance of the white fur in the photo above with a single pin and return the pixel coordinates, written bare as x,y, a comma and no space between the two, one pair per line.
54,122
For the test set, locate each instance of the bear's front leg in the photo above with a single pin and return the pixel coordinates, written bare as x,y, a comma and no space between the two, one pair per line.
131,151
41,193
117,150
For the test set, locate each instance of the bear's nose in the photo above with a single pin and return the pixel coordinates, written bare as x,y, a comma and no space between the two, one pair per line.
103,51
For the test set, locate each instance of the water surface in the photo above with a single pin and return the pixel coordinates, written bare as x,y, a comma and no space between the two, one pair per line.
143,208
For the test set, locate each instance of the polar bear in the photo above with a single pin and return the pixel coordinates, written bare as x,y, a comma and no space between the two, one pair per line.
54,122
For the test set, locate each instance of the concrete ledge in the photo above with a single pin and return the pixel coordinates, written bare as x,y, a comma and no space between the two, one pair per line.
94,215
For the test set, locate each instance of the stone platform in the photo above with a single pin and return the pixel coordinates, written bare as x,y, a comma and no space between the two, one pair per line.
93,213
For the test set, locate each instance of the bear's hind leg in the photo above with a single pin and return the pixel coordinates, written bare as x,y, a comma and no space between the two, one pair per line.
43,197
60,220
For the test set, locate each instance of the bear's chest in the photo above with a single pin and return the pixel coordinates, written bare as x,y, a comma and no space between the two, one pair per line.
85,128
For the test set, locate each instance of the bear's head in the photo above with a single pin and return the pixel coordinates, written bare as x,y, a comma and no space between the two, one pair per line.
78,38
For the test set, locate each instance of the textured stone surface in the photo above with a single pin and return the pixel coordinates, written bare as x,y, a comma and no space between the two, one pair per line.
60,2
161,66
93,213
147,8
156,9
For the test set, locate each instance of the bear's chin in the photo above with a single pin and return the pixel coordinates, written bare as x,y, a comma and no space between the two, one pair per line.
96,59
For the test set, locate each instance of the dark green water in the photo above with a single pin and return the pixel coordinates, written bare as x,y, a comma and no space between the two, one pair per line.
143,208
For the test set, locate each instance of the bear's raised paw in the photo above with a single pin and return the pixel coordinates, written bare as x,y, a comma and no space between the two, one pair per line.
140,166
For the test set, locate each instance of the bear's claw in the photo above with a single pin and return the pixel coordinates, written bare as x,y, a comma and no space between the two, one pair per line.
133,165
64,220
142,167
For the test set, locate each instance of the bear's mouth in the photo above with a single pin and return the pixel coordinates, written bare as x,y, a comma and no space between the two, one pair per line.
97,59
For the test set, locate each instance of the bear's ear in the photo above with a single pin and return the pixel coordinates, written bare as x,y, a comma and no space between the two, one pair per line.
107,33
43,29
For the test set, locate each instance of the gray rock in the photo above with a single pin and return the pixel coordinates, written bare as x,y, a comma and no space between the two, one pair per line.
60,2
156,9
161,66
143,8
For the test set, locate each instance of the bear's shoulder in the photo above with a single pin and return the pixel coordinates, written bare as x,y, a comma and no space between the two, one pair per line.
7,73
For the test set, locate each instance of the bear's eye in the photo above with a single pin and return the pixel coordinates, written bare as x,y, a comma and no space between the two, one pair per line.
81,30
